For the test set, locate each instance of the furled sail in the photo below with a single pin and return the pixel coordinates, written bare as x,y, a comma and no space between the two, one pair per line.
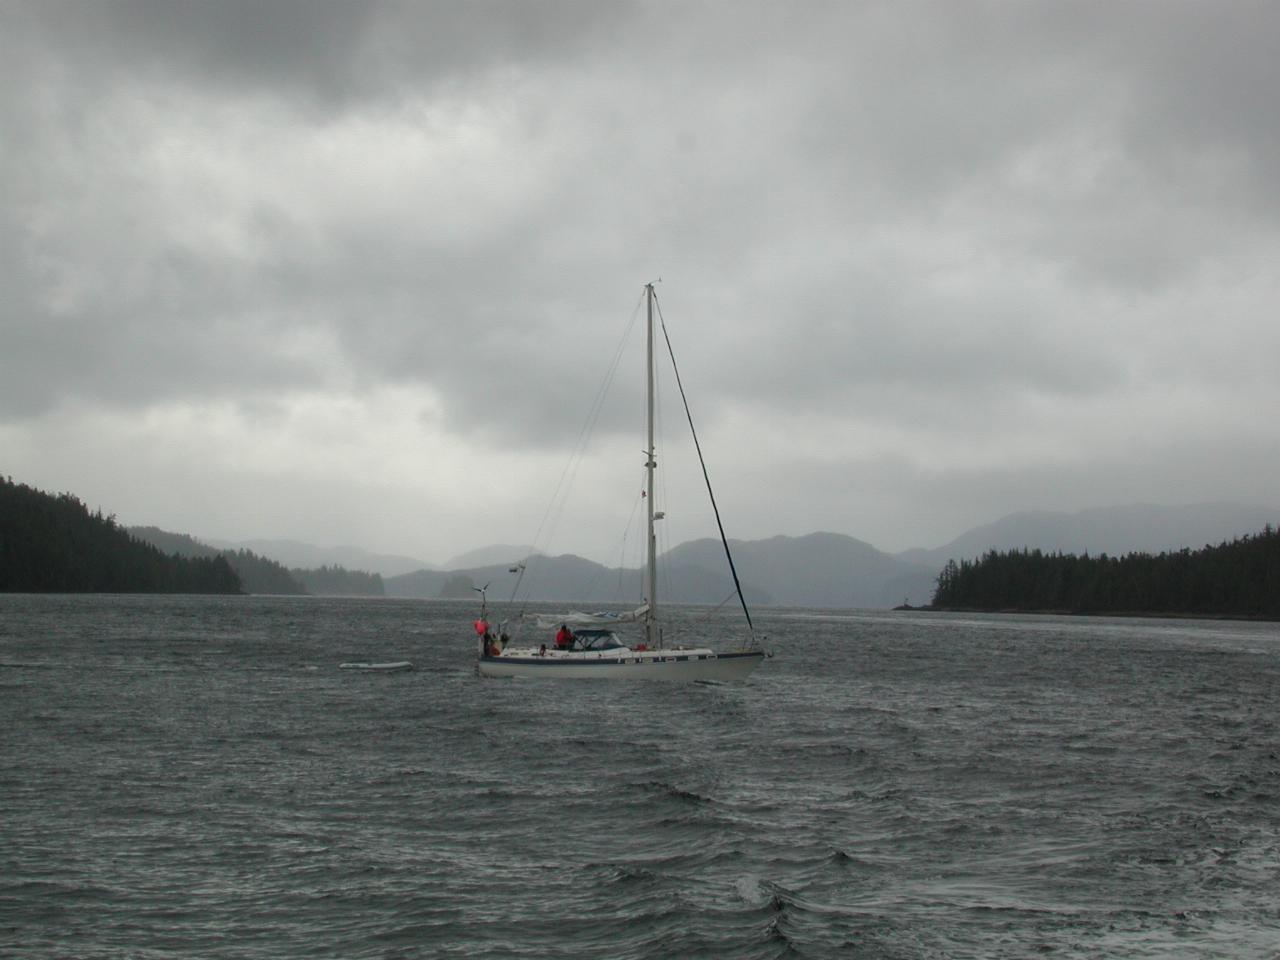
577,618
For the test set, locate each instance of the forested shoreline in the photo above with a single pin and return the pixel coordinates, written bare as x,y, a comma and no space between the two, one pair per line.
1236,579
335,581
257,574
54,544
261,575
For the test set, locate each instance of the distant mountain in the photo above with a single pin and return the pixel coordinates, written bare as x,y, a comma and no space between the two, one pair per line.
817,570
1143,527
820,570
490,556
261,575
568,578
257,574
834,570
572,579
295,554
173,543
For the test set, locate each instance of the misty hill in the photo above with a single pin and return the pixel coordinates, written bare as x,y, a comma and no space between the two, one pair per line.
834,570
257,574
262,576
490,556
817,570
572,579
298,555
179,544
820,570
54,544
1145,528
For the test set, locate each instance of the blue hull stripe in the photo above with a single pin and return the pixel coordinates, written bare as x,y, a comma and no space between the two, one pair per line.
618,661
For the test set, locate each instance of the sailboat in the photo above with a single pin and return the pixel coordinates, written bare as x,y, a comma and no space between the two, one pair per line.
597,648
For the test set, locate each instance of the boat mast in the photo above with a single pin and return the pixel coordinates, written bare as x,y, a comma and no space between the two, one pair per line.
651,632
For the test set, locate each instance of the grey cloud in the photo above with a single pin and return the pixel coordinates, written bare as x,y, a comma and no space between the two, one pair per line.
324,55
916,211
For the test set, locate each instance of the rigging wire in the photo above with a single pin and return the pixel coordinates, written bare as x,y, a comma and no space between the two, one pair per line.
559,498
620,593
663,542
701,460
712,611
628,552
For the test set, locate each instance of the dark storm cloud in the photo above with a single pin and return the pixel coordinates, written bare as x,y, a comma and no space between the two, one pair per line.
103,282
328,56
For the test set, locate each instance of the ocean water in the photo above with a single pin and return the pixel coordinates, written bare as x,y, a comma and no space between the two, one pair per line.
196,777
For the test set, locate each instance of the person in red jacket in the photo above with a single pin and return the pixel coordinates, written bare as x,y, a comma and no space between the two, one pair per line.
564,637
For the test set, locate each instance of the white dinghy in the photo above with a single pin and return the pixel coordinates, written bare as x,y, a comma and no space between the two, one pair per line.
390,666
593,648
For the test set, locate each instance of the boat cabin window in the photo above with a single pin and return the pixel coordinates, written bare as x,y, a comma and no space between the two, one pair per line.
597,640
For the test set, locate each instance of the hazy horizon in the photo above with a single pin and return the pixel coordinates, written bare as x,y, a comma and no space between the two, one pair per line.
499,558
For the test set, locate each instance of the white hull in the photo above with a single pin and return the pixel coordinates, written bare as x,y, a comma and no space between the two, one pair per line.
675,665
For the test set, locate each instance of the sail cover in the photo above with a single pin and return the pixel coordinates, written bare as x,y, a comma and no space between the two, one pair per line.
577,618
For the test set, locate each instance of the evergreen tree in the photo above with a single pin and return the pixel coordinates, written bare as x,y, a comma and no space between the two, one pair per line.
339,581
54,544
1241,578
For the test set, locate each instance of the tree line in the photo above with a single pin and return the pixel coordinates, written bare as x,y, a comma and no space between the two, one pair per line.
339,581
257,574
1240,578
261,575
54,544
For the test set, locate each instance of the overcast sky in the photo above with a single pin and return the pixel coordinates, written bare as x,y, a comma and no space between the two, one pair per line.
352,273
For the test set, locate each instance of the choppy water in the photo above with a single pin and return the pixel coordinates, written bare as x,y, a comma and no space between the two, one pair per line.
196,777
